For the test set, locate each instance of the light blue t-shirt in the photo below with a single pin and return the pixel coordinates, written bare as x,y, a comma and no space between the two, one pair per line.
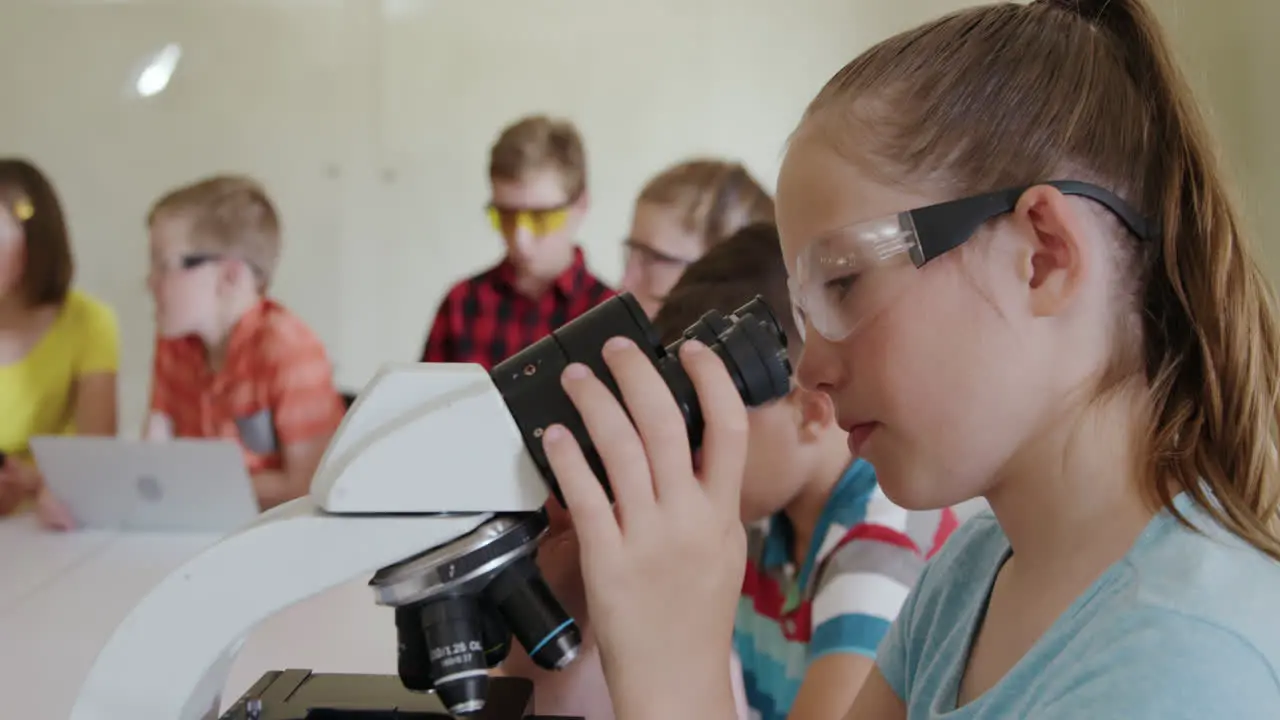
1185,627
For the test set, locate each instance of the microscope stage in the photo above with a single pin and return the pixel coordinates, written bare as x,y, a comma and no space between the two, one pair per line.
302,695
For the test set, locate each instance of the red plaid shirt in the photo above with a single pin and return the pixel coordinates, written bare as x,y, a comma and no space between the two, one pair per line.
484,320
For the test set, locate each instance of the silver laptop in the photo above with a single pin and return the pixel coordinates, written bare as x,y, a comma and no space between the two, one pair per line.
175,485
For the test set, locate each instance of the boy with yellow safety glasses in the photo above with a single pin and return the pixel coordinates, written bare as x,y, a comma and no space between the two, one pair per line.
537,169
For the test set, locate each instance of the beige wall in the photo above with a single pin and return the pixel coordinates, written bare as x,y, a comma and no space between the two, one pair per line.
370,120
1258,151
1230,51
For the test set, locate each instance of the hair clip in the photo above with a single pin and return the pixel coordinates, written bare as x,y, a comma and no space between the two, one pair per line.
23,209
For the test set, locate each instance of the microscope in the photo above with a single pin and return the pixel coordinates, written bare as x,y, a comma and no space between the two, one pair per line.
433,486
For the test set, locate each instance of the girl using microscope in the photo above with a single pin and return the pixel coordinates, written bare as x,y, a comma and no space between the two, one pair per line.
1022,277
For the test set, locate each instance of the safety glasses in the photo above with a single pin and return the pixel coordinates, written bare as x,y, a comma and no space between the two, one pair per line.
538,221
834,290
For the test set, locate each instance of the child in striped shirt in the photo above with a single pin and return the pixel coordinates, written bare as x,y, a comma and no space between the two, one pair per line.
830,558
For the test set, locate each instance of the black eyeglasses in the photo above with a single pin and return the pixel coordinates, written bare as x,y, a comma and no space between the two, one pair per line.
189,262
651,255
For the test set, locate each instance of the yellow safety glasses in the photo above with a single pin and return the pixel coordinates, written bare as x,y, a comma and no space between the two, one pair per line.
538,221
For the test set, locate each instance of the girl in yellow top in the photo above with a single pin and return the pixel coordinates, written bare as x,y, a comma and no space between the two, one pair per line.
59,348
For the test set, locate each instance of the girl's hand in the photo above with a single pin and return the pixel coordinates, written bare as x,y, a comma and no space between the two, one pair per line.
19,480
26,481
11,493
20,475
52,513
664,573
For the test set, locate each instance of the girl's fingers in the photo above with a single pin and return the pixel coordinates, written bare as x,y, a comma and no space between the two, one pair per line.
724,443
616,441
654,413
592,514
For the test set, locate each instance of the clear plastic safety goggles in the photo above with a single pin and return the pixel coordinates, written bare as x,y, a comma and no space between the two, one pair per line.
847,277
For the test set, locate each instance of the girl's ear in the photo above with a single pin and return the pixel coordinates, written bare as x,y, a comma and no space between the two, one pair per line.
1058,255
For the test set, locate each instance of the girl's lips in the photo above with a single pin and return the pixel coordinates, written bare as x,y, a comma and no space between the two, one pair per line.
858,435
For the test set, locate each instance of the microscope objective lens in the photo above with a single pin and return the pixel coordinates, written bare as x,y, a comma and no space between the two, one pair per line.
544,629
451,655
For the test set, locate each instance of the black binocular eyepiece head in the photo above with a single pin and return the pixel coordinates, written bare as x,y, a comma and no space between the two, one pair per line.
749,341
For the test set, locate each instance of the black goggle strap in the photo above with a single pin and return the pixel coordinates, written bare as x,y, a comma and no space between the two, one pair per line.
945,226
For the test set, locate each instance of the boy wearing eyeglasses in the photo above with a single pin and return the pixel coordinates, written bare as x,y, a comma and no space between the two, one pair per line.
538,176
230,362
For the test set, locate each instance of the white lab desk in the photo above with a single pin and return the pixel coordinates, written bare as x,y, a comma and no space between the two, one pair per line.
30,558
62,595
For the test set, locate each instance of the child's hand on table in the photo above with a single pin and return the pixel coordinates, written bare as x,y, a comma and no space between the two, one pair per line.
51,512
20,480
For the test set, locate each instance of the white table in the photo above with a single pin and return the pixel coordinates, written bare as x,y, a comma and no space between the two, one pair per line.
61,597
30,558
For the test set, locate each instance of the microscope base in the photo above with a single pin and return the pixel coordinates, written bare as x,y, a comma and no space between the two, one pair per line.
302,695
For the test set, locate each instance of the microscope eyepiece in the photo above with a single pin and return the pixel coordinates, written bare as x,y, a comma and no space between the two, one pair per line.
749,341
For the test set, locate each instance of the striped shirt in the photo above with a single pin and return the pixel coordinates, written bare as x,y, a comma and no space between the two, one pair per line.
274,389
865,557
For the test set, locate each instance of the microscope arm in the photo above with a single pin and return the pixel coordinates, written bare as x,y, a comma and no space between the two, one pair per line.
421,441
158,662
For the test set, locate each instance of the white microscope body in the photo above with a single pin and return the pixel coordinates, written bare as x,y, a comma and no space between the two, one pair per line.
427,454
